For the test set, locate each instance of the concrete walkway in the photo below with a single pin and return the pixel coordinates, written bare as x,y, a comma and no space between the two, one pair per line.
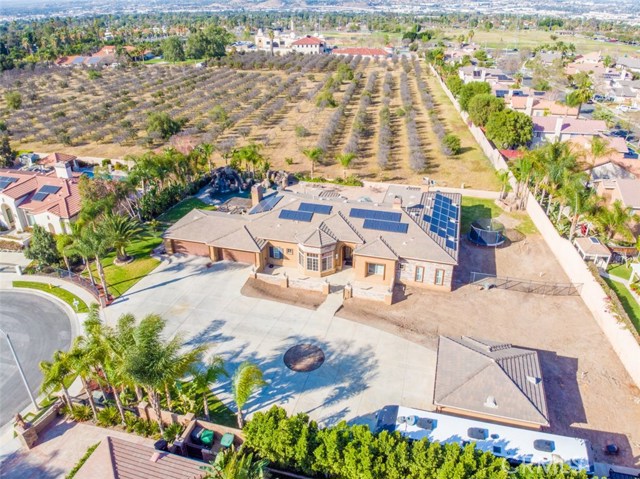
7,278
364,370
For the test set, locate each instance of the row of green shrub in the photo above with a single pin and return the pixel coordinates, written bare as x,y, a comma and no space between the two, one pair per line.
348,181
342,451
110,417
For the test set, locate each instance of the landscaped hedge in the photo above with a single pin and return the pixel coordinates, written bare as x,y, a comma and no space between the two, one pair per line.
297,444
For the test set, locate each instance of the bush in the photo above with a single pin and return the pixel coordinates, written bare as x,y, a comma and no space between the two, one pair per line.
109,416
468,91
482,106
79,413
172,431
94,74
452,142
42,247
13,99
455,84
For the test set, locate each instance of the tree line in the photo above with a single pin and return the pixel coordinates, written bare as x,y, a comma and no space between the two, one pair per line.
343,451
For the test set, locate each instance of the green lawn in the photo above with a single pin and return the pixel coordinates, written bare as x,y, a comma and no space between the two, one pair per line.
620,270
629,303
57,291
121,278
182,208
474,208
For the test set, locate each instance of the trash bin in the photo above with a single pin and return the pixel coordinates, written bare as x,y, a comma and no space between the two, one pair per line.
161,445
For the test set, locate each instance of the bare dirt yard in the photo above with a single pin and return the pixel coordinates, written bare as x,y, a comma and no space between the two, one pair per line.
589,393
254,288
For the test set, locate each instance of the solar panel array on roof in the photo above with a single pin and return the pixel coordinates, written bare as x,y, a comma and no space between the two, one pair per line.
295,215
49,189
77,61
6,181
94,60
381,225
374,215
444,220
265,205
39,196
315,208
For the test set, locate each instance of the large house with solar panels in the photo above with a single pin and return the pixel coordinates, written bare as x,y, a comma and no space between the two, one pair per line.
51,200
412,242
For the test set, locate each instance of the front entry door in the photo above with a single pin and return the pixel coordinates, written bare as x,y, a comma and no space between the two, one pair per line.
347,256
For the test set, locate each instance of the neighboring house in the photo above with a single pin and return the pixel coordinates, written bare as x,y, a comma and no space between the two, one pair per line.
363,52
281,41
532,106
548,58
630,63
615,164
472,73
627,191
624,91
415,243
309,45
51,200
117,458
490,380
591,249
551,128
54,158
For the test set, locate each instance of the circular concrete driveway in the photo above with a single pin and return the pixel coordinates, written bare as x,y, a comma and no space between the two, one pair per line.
38,327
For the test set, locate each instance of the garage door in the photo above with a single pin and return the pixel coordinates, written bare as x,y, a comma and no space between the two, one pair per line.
238,256
190,247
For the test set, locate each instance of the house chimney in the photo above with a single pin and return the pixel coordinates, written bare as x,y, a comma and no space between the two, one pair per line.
397,203
256,194
557,134
529,108
63,170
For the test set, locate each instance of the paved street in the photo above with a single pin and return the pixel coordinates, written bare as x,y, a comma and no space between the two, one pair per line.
365,368
37,327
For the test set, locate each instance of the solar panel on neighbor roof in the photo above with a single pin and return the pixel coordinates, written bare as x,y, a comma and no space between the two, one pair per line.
94,60
40,196
49,189
8,179
375,215
315,208
265,205
77,61
296,215
390,226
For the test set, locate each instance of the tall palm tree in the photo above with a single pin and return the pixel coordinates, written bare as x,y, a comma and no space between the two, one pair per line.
583,92
81,358
522,170
503,178
599,149
614,221
245,381
80,248
345,159
56,372
314,155
93,244
236,465
153,362
206,375
580,199
206,151
119,231
271,38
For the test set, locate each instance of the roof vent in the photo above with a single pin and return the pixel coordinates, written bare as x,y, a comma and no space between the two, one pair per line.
491,402
534,380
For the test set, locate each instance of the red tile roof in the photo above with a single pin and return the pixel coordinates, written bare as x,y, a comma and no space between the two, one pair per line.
365,52
308,40
512,154
575,126
65,203
54,158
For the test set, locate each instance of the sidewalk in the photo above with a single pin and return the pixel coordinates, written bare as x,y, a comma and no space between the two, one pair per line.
7,278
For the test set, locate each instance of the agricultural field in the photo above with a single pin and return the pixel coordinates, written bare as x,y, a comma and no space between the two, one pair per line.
392,116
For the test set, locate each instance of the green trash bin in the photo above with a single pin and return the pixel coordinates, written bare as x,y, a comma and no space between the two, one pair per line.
207,438
227,440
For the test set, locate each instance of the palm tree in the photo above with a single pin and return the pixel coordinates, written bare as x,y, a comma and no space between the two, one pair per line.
94,243
314,155
82,360
505,186
522,170
614,221
55,374
246,380
80,248
206,151
232,464
63,241
203,377
580,199
119,231
271,38
599,149
583,92
154,363
345,159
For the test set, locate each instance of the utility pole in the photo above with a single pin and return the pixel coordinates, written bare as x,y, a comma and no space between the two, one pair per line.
24,378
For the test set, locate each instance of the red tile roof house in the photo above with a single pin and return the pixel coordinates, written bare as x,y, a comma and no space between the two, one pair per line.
533,106
51,200
309,45
550,128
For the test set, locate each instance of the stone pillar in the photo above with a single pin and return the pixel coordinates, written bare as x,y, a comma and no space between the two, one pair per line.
27,435
347,292
143,410
326,287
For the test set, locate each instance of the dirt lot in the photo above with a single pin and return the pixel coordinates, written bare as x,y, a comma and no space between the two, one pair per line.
589,394
254,288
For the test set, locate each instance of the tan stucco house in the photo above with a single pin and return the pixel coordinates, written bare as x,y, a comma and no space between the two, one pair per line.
386,243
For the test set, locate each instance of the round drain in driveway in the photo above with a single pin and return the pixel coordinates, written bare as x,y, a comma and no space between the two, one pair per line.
304,358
